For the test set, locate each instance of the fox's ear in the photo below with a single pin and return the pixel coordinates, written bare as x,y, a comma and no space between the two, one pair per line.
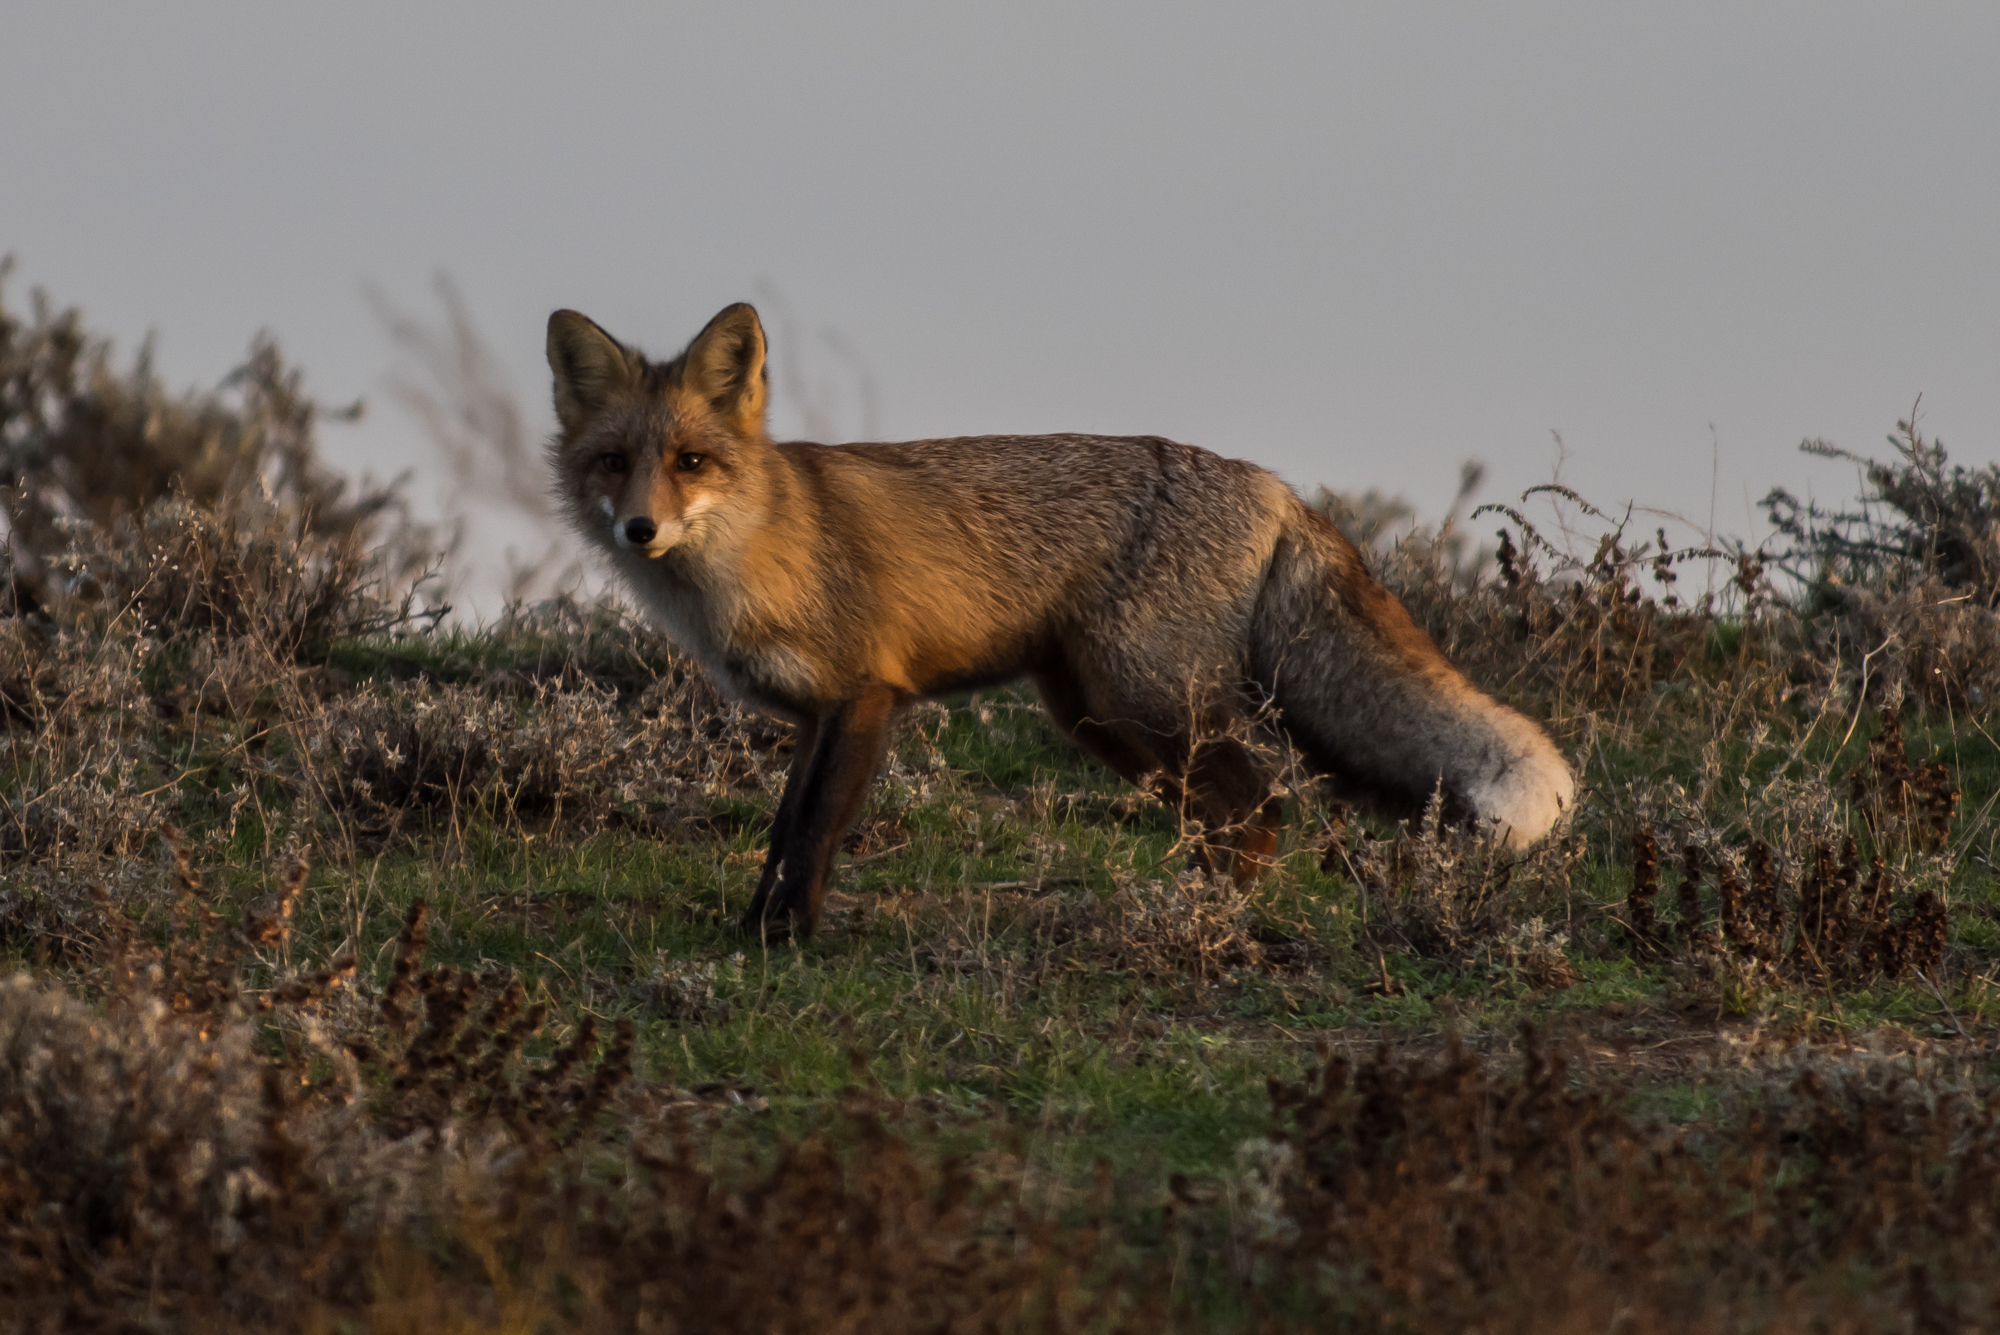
590,366
725,365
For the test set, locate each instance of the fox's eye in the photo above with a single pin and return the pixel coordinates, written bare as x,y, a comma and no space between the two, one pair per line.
688,463
611,463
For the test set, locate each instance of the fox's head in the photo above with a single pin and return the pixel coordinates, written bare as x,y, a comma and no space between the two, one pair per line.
654,456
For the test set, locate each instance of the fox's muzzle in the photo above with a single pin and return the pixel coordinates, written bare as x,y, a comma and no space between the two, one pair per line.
644,534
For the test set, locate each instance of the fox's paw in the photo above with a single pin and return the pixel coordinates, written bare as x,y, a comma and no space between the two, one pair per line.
774,924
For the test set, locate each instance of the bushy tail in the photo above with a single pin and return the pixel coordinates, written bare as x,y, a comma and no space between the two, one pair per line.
1363,691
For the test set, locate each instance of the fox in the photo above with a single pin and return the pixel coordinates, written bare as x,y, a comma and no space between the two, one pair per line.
1157,595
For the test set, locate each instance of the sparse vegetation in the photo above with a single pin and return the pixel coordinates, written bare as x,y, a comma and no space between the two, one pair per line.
373,973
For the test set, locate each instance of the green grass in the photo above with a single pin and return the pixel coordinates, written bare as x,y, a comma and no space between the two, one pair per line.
949,991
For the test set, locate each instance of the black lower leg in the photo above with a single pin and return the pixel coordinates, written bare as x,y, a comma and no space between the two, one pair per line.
850,745
804,743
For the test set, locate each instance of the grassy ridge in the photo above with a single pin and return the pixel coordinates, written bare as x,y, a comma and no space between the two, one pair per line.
370,974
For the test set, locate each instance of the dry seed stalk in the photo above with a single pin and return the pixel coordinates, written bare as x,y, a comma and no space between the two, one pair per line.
1645,886
1694,932
1736,927
410,945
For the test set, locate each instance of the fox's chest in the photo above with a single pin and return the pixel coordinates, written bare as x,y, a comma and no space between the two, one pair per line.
748,664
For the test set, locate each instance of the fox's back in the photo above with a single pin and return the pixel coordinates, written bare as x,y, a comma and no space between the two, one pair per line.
1048,515
973,546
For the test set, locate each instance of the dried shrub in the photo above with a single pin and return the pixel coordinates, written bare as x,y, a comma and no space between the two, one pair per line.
1579,631
86,451
253,572
465,1059
1445,893
877,1233
1934,646
1644,923
1437,1194
1195,927
555,755
1824,889
156,1137
1918,512
140,1146
1909,576
601,641
79,777
1821,921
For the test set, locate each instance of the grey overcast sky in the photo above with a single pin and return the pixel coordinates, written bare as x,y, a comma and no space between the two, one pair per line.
1356,243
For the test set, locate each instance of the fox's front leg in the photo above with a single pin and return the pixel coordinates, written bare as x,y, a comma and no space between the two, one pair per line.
804,739
823,794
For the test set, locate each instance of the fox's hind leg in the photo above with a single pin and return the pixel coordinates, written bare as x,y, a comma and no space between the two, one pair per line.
1233,799
1213,779
1105,741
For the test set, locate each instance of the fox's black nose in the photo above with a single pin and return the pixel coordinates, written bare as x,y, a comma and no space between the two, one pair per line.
639,532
